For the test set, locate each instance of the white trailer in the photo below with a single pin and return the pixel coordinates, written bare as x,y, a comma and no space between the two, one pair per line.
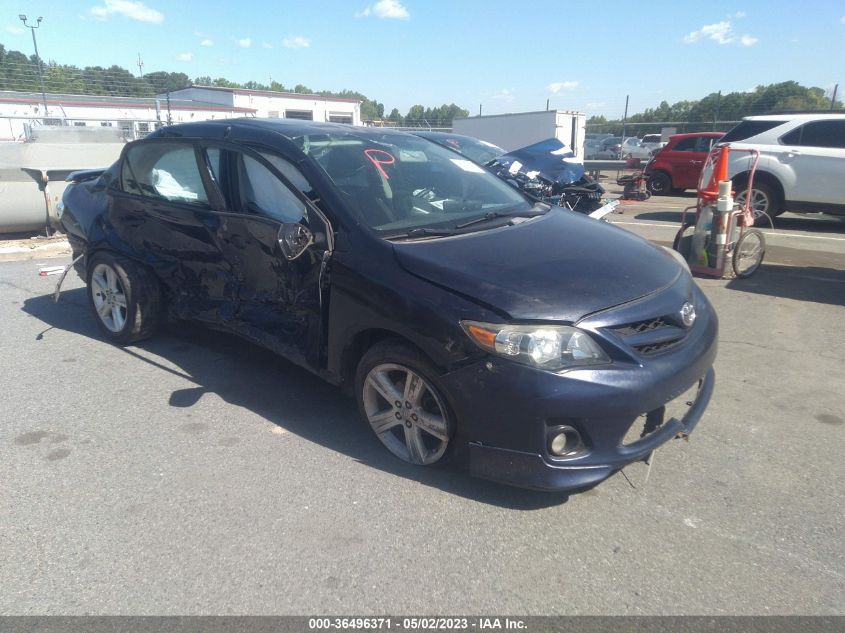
513,131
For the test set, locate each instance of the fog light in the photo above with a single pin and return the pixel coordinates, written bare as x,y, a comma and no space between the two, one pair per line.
565,441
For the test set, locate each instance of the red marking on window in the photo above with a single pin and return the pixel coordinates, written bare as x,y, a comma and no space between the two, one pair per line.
379,157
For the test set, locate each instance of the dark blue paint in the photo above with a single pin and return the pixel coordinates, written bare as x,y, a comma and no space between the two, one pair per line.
224,267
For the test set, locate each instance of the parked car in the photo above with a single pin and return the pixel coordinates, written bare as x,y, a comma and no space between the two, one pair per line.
610,148
467,319
592,146
633,148
801,166
653,142
476,150
678,165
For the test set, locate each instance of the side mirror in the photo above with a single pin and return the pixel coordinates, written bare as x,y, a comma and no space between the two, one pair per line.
294,239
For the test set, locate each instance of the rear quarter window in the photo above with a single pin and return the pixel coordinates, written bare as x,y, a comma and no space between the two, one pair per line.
747,129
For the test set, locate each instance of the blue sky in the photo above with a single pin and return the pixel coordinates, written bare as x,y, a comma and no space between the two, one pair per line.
509,56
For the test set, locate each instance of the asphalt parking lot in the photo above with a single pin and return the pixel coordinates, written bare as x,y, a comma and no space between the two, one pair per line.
196,474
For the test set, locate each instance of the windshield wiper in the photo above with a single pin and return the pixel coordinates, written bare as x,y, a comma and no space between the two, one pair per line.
492,215
422,232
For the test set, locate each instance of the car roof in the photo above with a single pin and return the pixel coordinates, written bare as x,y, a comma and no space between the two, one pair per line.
690,134
804,116
289,128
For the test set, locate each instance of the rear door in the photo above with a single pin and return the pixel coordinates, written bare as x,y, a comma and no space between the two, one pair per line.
165,213
816,153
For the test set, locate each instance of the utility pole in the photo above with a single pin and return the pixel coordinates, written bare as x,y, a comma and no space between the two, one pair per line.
716,111
140,66
37,57
625,117
833,98
479,109
547,105
169,118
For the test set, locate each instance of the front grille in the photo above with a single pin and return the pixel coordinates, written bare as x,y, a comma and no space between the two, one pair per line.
640,327
652,336
653,348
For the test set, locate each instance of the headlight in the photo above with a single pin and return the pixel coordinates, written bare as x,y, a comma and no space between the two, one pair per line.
546,346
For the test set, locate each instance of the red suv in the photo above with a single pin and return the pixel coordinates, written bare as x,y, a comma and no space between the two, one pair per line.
678,165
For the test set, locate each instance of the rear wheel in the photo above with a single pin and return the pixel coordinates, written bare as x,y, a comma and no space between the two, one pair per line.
764,202
398,395
748,253
125,298
659,183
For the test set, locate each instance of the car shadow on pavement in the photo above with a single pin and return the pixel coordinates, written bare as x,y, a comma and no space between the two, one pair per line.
288,396
802,283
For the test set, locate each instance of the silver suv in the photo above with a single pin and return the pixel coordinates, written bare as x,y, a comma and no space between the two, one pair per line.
802,163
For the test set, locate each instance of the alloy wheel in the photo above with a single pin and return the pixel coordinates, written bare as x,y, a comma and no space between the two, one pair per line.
406,413
760,203
109,297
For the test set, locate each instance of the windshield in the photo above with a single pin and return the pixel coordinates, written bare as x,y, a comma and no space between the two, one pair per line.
396,182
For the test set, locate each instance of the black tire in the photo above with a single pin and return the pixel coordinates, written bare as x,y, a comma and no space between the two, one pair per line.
748,253
659,183
683,240
764,214
142,298
394,352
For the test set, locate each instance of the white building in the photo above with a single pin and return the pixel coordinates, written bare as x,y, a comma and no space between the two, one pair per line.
138,116
284,105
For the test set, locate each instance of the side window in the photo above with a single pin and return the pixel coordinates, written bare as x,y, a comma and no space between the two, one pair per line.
829,133
704,143
289,171
687,145
264,194
166,171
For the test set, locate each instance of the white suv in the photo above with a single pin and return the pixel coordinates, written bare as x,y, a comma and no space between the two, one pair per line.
802,162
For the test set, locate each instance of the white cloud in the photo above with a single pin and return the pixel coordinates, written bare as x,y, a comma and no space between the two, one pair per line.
266,45
185,57
14,30
595,105
720,32
505,94
208,43
245,42
740,14
842,19
127,9
557,86
386,10
296,42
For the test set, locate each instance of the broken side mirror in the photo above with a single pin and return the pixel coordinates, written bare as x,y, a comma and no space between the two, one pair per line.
294,239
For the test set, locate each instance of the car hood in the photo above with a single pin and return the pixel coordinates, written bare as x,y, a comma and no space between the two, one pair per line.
560,266
551,159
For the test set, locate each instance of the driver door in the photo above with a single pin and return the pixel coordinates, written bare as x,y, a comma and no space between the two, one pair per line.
281,302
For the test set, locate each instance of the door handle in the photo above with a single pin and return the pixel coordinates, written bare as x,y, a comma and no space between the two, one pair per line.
695,162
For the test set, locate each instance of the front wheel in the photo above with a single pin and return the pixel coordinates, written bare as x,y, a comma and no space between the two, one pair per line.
398,395
748,253
125,298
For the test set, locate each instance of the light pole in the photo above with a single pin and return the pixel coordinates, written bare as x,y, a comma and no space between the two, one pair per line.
37,57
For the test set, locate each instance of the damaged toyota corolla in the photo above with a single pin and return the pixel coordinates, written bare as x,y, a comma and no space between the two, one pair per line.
544,349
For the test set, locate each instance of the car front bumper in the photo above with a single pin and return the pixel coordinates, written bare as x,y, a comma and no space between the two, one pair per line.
507,411
536,471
